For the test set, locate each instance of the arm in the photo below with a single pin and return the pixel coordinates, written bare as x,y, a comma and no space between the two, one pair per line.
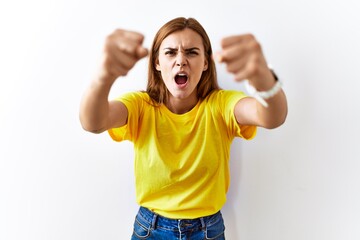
243,57
249,111
122,50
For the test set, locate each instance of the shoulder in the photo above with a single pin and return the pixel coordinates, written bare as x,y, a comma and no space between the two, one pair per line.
135,101
224,96
136,95
137,98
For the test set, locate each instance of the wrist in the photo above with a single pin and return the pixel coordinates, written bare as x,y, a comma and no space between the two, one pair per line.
265,81
104,78
102,83
267,91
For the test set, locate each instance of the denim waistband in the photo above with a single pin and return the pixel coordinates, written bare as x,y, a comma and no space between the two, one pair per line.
158,221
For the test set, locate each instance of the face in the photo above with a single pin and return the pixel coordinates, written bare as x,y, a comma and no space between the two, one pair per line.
181,62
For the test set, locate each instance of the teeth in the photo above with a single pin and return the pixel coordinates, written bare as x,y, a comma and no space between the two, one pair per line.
181,74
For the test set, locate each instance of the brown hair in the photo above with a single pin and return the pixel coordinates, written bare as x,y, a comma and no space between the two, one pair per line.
156,87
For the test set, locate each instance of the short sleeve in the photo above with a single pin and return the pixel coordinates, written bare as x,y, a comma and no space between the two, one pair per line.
133,102
227,100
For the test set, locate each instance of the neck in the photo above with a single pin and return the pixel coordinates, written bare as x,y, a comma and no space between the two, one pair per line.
181,106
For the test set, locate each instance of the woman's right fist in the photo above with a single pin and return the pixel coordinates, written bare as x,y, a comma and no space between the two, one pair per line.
121,51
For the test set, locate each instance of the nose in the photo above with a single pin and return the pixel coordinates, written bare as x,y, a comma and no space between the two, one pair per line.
181,59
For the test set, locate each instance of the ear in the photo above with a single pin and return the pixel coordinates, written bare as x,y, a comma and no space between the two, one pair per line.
205,65
157,65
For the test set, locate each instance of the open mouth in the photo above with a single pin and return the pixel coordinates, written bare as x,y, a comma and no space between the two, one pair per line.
181,78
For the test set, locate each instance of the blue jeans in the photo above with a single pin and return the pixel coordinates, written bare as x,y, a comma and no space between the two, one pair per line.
149,225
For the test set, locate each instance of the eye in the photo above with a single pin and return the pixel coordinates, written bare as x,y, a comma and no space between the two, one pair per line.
170,53
193,53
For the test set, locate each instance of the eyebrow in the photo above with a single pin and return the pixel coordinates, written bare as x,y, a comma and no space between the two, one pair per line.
186,50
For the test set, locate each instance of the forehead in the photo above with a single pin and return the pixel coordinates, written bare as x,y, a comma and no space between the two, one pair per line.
184,38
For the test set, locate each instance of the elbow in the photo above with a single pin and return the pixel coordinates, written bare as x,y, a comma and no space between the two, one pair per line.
276,122
92,130
87,126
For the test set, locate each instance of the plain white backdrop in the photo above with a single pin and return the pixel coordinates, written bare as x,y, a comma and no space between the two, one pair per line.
296,182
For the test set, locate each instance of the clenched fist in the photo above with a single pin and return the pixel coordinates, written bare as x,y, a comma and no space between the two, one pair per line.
121,51
244,58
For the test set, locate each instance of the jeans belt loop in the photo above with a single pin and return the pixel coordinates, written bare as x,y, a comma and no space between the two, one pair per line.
203,226
153,222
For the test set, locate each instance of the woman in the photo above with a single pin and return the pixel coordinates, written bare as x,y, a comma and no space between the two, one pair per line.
182,126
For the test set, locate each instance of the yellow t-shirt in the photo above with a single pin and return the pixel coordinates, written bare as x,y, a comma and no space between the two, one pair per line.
182,161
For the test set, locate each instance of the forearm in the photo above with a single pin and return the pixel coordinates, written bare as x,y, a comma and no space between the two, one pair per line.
94,107
121,51
275,113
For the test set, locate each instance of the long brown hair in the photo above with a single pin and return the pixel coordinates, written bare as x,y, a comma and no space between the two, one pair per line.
156,87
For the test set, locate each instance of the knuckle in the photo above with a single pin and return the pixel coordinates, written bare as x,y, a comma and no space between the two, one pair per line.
140,38
255,46
223,43
229,68
109,43
118,32
252,42
250,37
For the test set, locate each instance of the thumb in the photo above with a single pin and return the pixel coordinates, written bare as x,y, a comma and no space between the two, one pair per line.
218,57
141,52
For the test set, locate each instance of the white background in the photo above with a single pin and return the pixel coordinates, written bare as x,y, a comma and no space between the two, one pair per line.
298,182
